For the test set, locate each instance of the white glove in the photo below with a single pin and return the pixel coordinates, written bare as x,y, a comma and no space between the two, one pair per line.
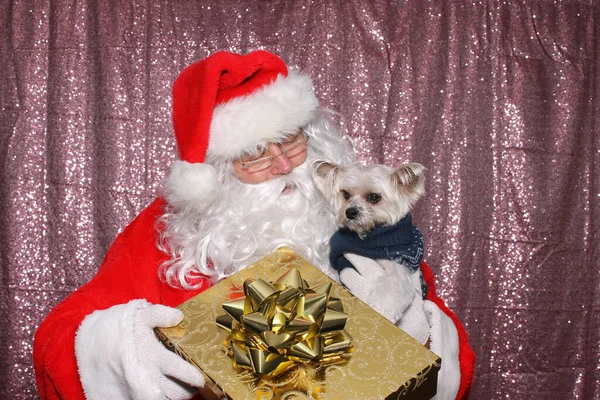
120,357
390,289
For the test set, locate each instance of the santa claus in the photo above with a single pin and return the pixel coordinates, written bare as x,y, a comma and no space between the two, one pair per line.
247,129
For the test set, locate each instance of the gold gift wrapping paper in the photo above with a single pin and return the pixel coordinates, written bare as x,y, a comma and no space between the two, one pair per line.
386,362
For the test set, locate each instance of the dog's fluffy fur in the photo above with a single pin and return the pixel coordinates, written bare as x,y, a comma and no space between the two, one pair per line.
365,197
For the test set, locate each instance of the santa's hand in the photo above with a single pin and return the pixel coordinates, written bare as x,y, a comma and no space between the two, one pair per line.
414,320
120,357
390,289
382,284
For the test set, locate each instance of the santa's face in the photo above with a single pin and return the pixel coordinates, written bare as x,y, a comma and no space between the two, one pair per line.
250,218
272,160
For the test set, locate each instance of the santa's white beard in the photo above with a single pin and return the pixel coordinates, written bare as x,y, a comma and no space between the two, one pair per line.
244,223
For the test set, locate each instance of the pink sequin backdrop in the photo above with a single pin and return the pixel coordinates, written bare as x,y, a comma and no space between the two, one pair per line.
499,100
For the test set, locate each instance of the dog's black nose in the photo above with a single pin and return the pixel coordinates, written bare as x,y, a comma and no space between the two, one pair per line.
351,213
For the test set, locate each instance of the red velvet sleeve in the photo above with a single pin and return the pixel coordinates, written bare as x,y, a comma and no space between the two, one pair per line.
466,355
129,271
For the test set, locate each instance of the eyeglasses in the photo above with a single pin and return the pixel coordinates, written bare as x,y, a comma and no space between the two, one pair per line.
291,147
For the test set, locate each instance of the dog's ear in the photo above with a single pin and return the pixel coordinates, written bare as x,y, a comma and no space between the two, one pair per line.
325,175
410,178
323,168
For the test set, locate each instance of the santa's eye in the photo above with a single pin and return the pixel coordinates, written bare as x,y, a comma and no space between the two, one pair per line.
346,195
373,198
254,155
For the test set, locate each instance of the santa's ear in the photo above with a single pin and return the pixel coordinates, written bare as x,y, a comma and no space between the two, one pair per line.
410,180
325,175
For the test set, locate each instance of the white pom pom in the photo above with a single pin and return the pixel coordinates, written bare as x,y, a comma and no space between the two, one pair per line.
190,185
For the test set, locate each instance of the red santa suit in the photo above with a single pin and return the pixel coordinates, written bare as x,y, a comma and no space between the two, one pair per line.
210,98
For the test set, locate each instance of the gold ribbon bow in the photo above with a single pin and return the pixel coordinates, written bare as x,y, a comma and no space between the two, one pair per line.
277,326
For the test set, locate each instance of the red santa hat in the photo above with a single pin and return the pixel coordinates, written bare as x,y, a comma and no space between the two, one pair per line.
226,105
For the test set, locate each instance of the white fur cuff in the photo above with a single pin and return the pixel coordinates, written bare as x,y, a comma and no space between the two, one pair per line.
444,343
190,185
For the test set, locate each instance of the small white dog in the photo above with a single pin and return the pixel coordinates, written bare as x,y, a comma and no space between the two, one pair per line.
378,252
373,206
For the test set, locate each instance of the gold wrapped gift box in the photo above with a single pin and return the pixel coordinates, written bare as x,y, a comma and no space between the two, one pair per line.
386,363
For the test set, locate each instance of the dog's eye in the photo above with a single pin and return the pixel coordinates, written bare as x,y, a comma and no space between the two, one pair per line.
346,195
373,198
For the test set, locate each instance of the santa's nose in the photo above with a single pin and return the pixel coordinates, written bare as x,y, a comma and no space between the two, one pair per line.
282,165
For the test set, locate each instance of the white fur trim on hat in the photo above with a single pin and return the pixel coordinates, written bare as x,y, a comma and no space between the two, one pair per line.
190,184
268,114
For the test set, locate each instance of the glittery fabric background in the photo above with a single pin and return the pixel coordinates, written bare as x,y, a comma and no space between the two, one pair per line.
499,100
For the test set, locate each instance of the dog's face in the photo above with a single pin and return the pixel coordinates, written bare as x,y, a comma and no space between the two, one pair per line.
367,196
